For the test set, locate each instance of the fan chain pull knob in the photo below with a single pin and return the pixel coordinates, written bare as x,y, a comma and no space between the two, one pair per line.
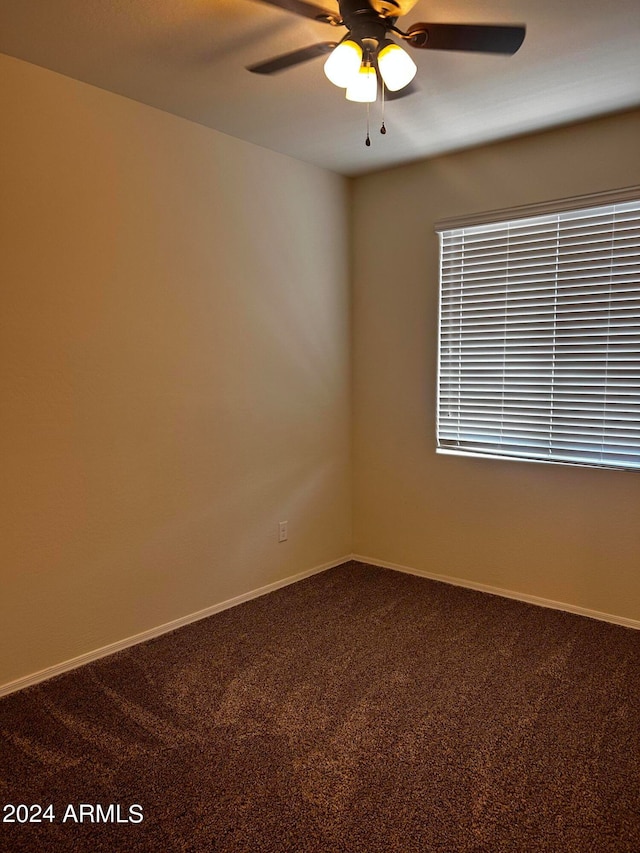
383,129
367,141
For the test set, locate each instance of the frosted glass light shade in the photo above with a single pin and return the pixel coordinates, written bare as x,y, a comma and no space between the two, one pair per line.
343,63
397,69
364,87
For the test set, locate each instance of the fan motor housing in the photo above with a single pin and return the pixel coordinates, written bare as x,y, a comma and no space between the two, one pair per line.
365,24
393,8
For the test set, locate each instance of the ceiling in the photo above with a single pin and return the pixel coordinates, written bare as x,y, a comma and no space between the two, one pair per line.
580,59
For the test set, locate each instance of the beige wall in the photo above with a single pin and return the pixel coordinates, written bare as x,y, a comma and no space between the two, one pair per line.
563,533
174,368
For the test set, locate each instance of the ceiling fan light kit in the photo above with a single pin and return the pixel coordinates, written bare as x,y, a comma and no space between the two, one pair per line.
363,87
343,63
348,64
397,69
367,56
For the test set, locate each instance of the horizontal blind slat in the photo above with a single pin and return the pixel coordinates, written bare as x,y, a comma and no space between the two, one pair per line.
539,353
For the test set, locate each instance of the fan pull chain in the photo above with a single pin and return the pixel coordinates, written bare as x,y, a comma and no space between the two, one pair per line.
367,141
383,129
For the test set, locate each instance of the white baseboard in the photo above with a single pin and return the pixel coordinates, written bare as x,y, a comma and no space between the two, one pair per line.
505,593
96,654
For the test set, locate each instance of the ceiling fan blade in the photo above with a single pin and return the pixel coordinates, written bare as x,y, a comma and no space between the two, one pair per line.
485,38
307,10
295,57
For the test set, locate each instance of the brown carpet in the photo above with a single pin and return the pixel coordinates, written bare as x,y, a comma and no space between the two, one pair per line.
360,710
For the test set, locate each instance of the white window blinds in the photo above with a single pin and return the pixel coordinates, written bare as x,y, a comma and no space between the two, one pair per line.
539,354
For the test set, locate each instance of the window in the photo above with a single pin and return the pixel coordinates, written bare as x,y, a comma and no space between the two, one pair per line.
539,351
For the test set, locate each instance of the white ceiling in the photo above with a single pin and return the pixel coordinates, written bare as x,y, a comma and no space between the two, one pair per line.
580,58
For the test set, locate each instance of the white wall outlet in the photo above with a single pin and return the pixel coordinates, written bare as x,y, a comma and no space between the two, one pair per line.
283,531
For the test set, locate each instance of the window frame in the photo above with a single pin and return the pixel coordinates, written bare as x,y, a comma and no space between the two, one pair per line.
575,204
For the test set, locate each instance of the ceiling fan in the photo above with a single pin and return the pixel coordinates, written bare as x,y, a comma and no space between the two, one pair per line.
367,57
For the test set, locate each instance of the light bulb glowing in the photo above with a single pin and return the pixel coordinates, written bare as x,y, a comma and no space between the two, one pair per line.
364,87
343,63
397,69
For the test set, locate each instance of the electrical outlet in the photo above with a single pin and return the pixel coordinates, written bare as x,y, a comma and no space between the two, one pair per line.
283,531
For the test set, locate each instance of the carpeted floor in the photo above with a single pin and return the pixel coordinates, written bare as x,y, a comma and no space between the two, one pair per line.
360,710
